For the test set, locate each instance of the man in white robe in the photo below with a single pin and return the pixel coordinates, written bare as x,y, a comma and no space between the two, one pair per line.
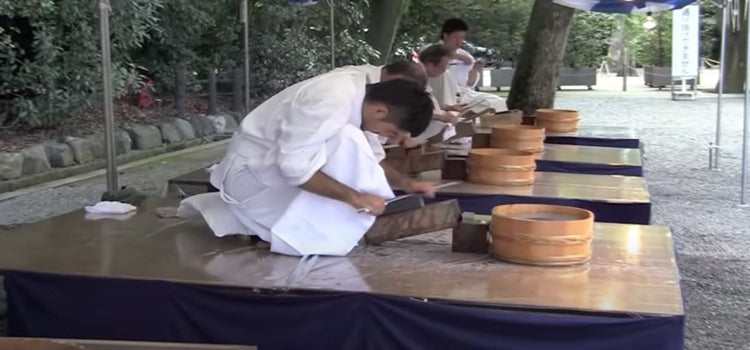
456,86
441,123
303,171
395,70
435,59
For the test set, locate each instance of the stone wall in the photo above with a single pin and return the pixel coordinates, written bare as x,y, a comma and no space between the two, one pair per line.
72,151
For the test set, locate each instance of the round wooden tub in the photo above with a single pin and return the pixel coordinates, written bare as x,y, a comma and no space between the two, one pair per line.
558,120
519,137
513,117
501,167
540,234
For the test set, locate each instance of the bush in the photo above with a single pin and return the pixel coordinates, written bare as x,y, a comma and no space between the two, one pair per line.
589,39
50,61
50,51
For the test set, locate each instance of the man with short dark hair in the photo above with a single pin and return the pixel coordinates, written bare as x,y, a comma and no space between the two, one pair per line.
399,69
462,75
301,172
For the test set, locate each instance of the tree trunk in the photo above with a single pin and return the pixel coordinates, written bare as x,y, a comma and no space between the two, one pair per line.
734,78
385,17
536,77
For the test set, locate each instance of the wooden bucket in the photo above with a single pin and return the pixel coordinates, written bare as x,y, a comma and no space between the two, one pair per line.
513,117
558,120
540,234
519,137
501,167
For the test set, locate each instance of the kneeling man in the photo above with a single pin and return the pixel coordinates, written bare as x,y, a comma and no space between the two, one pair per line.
303,171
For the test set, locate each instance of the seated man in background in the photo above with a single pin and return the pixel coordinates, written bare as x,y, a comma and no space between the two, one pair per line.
301,172
457,85
435,59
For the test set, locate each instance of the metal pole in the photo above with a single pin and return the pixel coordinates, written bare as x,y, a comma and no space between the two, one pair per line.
109,114
246,30
333,36
623,58
746,123
722,69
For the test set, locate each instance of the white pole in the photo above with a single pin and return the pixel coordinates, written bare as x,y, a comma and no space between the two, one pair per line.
746,123
109,114
722,69
246,49
333,36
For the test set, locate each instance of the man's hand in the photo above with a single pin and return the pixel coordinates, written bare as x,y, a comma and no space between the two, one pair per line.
446,118
410,143
478,66
425,188
456,108
371,204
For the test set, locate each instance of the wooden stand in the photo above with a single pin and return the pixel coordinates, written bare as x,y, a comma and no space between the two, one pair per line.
415,160
471,235
431,218
512,117
481,140
529,120
454,169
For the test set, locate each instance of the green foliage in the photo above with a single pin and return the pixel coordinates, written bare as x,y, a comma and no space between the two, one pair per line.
589,39
650,47
710,30
50,49
50,61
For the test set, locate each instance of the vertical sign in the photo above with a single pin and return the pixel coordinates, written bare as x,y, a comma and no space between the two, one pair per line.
685,38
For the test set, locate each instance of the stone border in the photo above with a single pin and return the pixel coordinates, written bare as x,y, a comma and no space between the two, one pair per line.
72,156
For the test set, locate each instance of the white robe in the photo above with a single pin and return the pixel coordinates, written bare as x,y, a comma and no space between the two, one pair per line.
311,126
451,88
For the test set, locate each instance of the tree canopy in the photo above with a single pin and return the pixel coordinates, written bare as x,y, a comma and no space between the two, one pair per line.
50,54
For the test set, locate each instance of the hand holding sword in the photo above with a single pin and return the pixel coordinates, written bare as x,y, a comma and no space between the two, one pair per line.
419,188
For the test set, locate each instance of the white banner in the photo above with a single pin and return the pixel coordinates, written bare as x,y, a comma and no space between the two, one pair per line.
685,40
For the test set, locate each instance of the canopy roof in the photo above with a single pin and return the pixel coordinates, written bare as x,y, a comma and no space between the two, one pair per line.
625,6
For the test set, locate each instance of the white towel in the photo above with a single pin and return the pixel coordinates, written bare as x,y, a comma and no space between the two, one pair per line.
110,208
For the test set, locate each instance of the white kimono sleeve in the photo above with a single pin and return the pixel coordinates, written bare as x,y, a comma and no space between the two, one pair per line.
317,113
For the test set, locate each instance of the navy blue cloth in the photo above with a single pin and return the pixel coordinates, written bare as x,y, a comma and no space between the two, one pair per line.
623,213
597,142
64,306
583,168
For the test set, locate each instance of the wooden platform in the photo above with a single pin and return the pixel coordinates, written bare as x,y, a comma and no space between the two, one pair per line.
588,155
633,269
83,344
600,188
556,185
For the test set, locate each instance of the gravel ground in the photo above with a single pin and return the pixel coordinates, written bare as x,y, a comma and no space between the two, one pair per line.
711,231
150,179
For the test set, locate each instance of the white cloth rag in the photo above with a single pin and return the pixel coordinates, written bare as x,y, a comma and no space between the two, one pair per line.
110,208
